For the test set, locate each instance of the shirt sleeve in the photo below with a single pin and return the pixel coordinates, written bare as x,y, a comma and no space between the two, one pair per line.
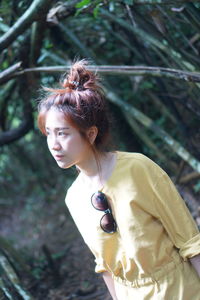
99,268
100,265
173,213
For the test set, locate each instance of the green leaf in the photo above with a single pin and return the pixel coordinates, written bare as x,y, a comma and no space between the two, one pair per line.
83,3
129,2
5,64
96,11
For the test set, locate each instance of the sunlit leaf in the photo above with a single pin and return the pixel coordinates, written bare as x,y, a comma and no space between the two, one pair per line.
83,3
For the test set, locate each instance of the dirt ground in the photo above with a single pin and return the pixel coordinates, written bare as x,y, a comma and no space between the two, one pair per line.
45,235
44,231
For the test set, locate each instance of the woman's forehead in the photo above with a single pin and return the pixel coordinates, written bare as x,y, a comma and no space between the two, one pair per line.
56,119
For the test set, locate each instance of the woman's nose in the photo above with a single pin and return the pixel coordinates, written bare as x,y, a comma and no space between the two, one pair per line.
56,145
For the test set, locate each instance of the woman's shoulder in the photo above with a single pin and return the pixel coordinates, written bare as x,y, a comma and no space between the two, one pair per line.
137,166
136,160
131,155
133,171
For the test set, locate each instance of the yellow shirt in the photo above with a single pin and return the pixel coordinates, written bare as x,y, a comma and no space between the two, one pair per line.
155,236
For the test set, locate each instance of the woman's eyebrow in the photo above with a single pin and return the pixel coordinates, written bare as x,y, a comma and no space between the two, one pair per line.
58,128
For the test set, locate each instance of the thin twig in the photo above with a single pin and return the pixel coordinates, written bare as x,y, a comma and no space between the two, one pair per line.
130,15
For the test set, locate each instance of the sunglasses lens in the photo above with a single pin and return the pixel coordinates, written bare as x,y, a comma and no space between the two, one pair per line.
99,201
108,223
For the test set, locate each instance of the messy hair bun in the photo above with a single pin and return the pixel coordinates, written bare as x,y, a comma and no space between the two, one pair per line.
80,78
82,101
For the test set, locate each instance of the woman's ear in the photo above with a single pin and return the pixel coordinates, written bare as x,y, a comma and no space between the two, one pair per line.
92,134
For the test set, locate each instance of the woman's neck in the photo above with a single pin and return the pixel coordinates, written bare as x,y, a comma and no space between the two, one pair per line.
98,169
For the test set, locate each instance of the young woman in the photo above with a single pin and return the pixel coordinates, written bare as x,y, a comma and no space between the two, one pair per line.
128,211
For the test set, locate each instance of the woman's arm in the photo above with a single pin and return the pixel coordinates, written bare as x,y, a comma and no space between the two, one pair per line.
110,284
195,261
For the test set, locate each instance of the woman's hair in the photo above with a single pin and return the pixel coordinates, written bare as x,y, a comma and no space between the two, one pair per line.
82,101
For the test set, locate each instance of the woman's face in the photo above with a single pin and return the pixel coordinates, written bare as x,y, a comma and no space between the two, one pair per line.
64,141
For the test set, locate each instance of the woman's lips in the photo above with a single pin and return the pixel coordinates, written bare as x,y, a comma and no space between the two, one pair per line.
58,157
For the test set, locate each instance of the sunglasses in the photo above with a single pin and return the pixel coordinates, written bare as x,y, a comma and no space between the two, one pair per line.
107,222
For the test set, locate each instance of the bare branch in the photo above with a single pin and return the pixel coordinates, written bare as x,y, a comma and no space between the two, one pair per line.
124,70
4,288
14,134
13,277
27,119
34,12
37,35
6,74
188,177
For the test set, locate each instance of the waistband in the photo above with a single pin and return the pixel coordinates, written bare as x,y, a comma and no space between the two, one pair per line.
153,277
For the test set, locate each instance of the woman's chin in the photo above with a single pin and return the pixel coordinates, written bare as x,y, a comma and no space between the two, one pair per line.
63,165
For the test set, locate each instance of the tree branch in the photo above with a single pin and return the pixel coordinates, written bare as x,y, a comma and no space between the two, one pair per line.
37,36
5,290
163,2
6,74
124,70
150,40
147,140
148,123
6,97
12,135
11,274
34,12
188,177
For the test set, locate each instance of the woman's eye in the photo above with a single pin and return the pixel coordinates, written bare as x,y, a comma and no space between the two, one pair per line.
61,133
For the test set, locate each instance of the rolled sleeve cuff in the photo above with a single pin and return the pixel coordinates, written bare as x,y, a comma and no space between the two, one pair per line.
100,267
190,248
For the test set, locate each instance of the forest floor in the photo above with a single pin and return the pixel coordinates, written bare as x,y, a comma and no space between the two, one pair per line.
60,262
62,267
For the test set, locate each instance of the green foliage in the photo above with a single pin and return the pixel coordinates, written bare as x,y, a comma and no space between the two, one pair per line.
109,33
116,38
129,2
5,64
4,9
48,44
197,187
83,4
